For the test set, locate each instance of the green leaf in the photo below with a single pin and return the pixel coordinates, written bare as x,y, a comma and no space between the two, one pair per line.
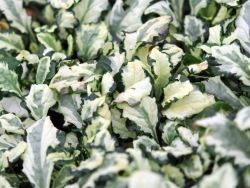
192,104
11,41
242,119
50,42
145,115
162,70
163,9
68,107
63,176
196,5
135,93
62,4
216,87
14,12
224,176
66,19
12,123
228,140
39,100
119,125
89,11
9,80
176,90
37,168
43,69
129,20
232,61
243,27
89,39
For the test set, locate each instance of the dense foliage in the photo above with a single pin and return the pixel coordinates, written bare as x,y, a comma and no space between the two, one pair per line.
132,93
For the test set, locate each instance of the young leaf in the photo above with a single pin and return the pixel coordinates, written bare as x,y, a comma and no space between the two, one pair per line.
66,19
42,69
25,55
128,20
243,27
12,123
37,168
11,41
169,132
89,39
192,104
216,87
196,5
232,61
39,100
84,10
9,80
49,41
242,119
107,83
145,115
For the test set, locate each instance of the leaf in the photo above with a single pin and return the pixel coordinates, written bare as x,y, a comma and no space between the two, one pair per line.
169,132
228,2
224,176
135,93
14,12
129,20
163,9
68,107
162,70
232,61
178,8
153,31
174,52
12,123
103,141
62,4
119,125
89,39
187,136
192,104
242,119
149,143
66,19
215,35
37,168
9,141
71,45
49,41
145,115
63,176
132,73
243,27
176,90
4,183
173,174
228,140
84,10
43,69
9,80
196,5
216,87
107,83
11,41
39,100
25,55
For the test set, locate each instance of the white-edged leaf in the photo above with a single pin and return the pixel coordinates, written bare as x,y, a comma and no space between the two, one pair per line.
215,86
89,39
243,26
215,35
9,141
169,132
119,125
174,52
46,29
132,73
176,90
14,12
173,174
71,45
192,104
66,19
62,156
187,136
149,143
25,55
242,119
228,140
37,168
232,61
145,115
49,41
9,80
178,8
103,141
89,11
163,9
4,183
129,20
42,69
39,100
133,94
162,70
12,123
228,2
225,176
107,83
196,5
68,107
11,41
62,4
